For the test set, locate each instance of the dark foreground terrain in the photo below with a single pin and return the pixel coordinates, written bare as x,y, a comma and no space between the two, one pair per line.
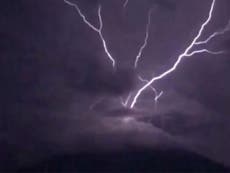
127,161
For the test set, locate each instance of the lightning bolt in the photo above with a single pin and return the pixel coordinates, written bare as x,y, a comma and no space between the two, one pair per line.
145,40
188,52
204,51
125,3
98,30
183,55
126,101
157,95
221,32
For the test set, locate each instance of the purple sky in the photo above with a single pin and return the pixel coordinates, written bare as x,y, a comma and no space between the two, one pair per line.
54,68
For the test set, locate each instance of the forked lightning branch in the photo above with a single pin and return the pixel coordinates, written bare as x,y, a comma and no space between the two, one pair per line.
191,49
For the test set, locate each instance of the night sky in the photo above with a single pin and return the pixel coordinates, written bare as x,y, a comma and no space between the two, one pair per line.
60,94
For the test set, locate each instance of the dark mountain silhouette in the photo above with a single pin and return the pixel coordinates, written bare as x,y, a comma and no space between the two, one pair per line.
168,160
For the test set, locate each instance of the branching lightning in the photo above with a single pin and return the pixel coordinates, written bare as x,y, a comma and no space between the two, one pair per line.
98,30
221,32
157,95
189,51
186,53
126,101
145,40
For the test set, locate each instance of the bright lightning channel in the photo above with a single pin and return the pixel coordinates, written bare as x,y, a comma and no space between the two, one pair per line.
157,95
98,30
180,57
204,51
145,40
